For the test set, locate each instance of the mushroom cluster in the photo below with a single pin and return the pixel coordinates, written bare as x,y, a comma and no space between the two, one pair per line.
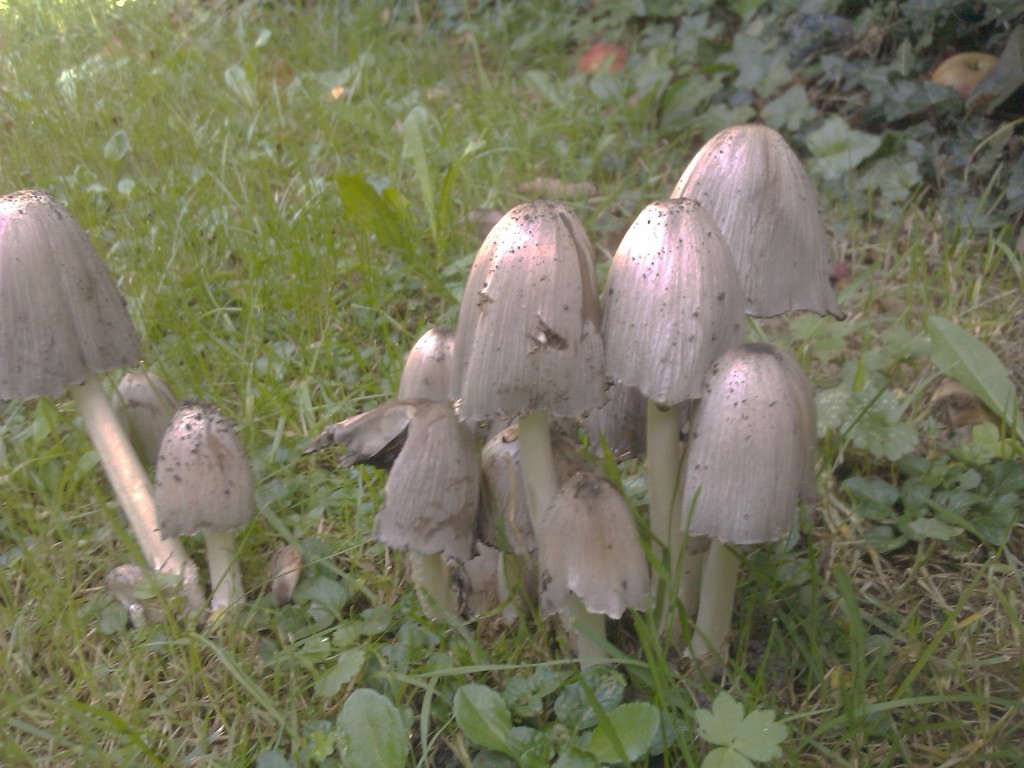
655,367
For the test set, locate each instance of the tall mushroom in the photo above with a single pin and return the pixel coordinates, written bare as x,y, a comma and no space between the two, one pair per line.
749,462
528,341
204,485
61,321
753,186
672,304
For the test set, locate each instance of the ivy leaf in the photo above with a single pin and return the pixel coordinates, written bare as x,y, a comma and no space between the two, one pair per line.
743,739
838,148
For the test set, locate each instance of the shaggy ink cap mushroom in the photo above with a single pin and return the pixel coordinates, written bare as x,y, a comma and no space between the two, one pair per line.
427,370
146,405
672,304
62,321
752,184
592,563
431,500
374,437
204,486
749,462
528,342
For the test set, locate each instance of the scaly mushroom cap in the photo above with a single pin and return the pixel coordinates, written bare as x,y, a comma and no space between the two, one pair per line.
672,304
60,314
751,452
589,546
754,187
145,405
433,490
528,334
203,480
427,371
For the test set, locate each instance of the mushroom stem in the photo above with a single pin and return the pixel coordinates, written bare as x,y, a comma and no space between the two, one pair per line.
433,586
131,486
225,575
717,594
537,464
585,629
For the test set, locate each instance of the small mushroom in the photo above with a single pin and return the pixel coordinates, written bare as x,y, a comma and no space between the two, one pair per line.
204,485
749,462
592,564
753,186
145,405
374,437
427,370
62,321
285,572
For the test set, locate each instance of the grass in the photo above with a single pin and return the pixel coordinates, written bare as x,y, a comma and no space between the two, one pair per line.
208,149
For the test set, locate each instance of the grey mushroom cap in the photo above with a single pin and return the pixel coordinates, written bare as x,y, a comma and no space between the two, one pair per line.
752,445
589,546
60,314
427,370
672,303
145,404
752,184
528,335
432,494
203,479
505,522
374,437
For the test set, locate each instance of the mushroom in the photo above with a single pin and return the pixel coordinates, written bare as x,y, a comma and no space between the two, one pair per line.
749,462
427,370
592,564
62,321
204,485
431,500
528,340
145,405
432,494
672,304
755,189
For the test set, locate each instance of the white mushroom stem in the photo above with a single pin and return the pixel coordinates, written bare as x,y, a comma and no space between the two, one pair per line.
717,594
131,486
225,575
584,629
433,584
537,464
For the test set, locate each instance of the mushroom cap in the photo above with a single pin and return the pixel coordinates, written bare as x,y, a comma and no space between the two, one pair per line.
754,187
374,437
589,545
432,494
528,335
672,303
145,405
505,522
60,314
751,452
203,481
427,371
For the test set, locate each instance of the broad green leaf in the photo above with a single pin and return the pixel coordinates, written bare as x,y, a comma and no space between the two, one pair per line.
417,134
720,724
759,736
532,748
371,733
723,757
875,499
634,725
574,757
573,708
373,213
958,354
483,717
931,528
347,667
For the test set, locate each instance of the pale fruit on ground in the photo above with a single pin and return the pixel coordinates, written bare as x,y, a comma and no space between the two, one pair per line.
962,71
